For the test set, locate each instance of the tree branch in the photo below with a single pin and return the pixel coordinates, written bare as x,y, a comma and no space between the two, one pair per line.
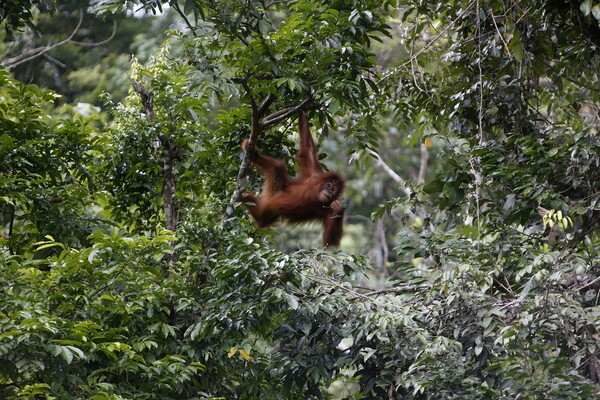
96,44
283,114
583,232
184,17
395,289
266,103
170,155
431,42
146,98
572,80
31,54
397,178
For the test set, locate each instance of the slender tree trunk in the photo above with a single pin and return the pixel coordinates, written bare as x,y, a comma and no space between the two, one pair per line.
423,167
421,178
170,151
382,250
10,230
170,206
170,185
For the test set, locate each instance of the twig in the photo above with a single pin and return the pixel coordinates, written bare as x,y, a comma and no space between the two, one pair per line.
431,42
46,49
96,44
31,54
480,78
328,280
282,115
266,103
54,60
182,15
395,289
589,284
581,234
397,178
423,164
499,33
575,81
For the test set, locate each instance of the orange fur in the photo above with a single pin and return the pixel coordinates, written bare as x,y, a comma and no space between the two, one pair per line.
313,196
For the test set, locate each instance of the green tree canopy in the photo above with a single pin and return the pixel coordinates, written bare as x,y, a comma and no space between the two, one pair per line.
129,270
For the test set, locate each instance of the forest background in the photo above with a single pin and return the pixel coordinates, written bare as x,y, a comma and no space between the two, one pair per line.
468,135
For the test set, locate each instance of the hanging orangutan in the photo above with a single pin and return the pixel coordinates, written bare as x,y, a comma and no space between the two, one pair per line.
312,196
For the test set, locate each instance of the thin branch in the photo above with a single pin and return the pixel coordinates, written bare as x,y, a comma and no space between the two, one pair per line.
96,44
480,71
25,53
355,294
43,50
423,165
522,16
412,66
387,169
283,114
432,41
582,233
575,81
500,33
31,54
589,284
184,17
395,289
54,60
242,39
244,82
266,103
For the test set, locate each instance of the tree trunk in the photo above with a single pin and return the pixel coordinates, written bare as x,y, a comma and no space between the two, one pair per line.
170,185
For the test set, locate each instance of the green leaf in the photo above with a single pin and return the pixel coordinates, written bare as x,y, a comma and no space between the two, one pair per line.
509,203
7,200
516,47
596,11
194,330
586,7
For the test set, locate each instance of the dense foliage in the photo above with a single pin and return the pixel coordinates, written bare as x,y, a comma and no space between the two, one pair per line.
125,275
